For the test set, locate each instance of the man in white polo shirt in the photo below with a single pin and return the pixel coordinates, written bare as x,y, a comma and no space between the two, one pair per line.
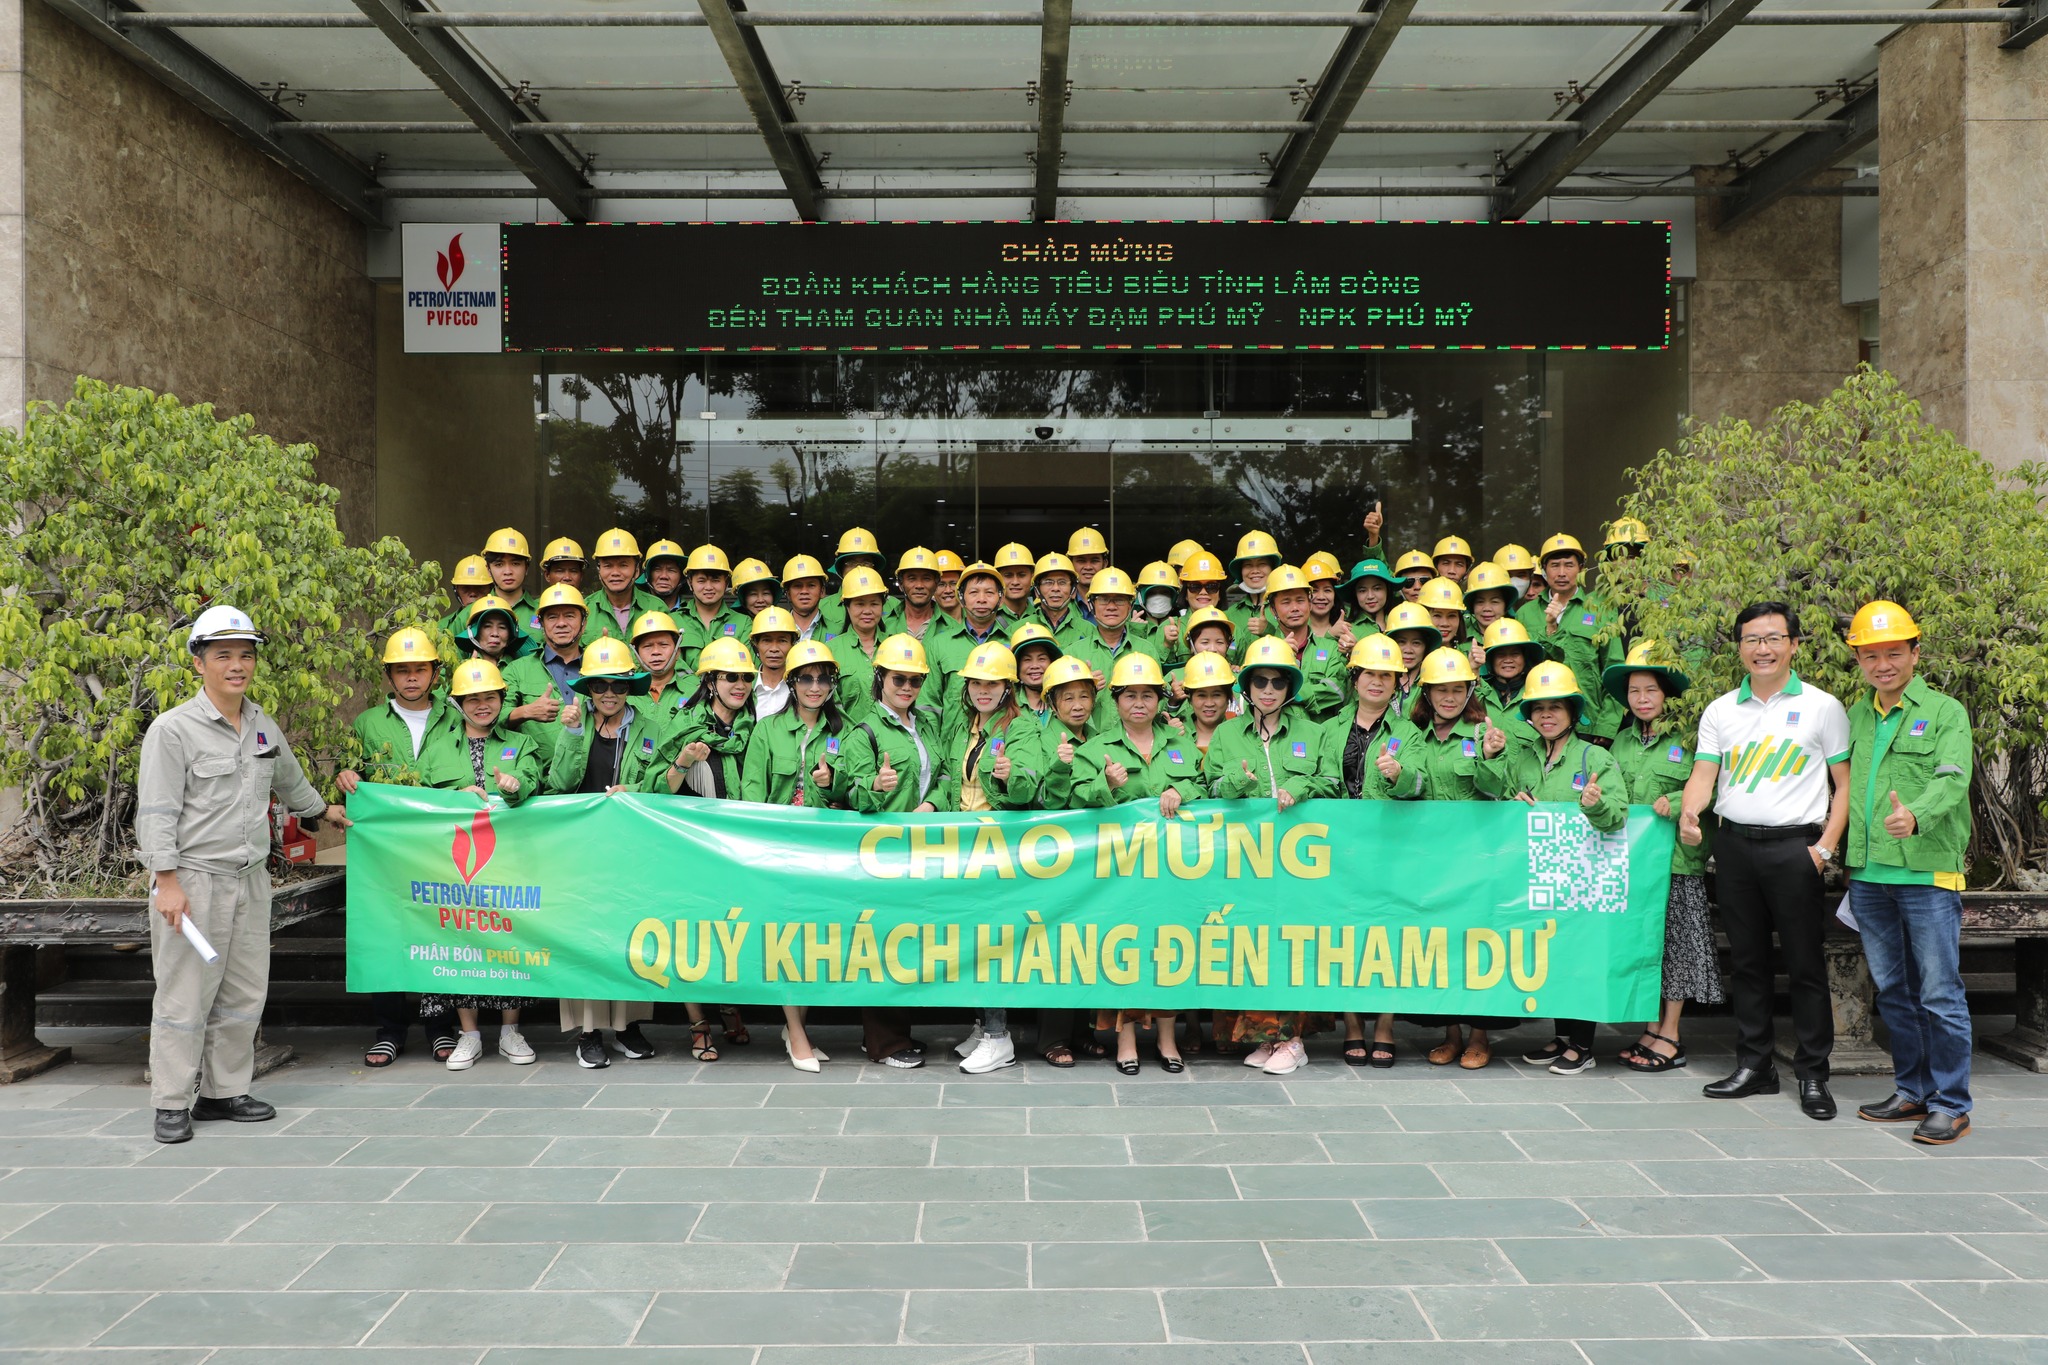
1767,756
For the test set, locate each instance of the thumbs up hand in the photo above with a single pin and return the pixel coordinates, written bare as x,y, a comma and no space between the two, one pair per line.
1589,795
1493,740
1478,656
885,776
1346,637
1249,775
1000,768
1389,766
1373,521
1066,749
1170,632
1257,624
822,774
572,716
1553,611
507,783
1689,828
546,706
693,753
1900,822
1116,774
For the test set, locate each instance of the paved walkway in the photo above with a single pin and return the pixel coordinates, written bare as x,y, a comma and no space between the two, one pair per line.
743,1213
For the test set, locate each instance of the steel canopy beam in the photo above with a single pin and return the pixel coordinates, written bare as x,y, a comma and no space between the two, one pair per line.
224,95
1640,79
477,93
755,76
1337,93
1055,38
1791,166
2029,23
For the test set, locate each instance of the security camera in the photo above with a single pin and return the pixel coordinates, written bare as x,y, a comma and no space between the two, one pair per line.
1042,433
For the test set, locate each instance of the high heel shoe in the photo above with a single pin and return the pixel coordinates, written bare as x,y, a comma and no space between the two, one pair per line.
808,1064
816,1051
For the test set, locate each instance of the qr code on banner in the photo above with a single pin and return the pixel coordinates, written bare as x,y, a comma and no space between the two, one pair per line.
1573,866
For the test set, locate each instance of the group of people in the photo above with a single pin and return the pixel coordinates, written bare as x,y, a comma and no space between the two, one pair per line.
1059,681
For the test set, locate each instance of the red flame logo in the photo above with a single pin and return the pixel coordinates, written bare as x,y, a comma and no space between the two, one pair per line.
448,264
474,846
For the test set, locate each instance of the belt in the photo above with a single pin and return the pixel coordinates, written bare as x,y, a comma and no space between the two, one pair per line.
1765,833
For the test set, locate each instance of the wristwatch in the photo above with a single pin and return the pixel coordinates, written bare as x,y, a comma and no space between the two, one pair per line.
1827,855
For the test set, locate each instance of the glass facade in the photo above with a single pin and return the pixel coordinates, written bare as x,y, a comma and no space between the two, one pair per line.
771,456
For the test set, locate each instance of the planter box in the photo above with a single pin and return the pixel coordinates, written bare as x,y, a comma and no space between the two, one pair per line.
27,925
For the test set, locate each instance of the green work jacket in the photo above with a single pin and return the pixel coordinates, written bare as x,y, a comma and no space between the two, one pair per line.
1561,780
1927,762
946,647
446,761
1455,767
856,673
1145,778
1290,760
600,621
781,754
1393,730
967,752
381,747
728,750
917,757
1657,763
730,623
639,746
1577,644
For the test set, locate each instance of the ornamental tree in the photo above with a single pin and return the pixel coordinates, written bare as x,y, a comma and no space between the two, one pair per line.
1827,507
131,513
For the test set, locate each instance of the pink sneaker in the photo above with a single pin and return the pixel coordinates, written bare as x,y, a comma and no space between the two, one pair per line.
1259,1055
1291,1056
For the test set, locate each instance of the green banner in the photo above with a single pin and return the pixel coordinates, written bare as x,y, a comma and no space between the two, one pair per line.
1465,908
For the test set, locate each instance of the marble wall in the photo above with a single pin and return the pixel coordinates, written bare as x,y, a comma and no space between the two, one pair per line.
160,249
1963,233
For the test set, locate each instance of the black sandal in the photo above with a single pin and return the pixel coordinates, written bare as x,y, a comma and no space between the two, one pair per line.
1382,1054
380,1054
735,1028
1355,1053
1172,1066
1059,1055
444,1048
1127,1066
1649,1061
1548,1053
701,1046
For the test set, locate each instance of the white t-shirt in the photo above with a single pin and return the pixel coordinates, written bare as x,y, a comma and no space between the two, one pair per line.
1774,754
770,700
415,721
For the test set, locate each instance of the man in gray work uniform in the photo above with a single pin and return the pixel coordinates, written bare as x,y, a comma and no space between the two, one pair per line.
202,824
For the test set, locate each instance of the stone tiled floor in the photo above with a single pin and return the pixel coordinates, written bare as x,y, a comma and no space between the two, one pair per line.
744,1214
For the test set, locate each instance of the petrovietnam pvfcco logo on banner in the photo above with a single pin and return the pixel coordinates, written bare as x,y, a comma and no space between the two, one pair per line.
466,903
453,296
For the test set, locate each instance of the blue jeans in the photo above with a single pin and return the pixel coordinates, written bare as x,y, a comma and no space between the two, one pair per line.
1912,938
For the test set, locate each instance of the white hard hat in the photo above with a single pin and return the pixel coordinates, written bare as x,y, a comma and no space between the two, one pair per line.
222,623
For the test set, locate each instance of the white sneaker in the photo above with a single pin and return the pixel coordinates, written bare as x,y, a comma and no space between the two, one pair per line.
990,1054
513,1047
468,1048
1259,1055
965,1047
1288,1058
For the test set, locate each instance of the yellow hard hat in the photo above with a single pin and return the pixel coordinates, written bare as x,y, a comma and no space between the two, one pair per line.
609,658
1181,553
488,603
1441,594
1255,545
617,542
1208,616
666,549
980,570
750,571
901,654
861,581
1207,670
561,550
1270,651
799,567
1319,566
1202,567
1487,576
1086,541
991,661
410,646
1648,656
476,675
857,541
1067,669
1446,666
945,561
1561,544
1158,574
561,595
1031,633
506,541
1053,563
707,559
1626,531
1111,582
1881,622
1414,559
1551,682
805,652
1508,633
772,621
1412,616
1286,578
917,557
1136,670
1378,654
471,572
654,623
1514,558
1451,545
725,655
1013,556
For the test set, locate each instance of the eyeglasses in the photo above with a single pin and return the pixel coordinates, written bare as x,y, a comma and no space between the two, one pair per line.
812,680
746,678
1266,682
599,687
1764,641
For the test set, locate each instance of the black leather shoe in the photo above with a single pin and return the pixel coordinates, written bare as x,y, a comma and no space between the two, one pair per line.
240,1109
1743,1082
1814,1100
1897,1109
1938,1130
173,1125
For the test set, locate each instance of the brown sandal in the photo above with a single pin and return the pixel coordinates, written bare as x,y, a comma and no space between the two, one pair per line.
701,1046
735,1028
1059,1055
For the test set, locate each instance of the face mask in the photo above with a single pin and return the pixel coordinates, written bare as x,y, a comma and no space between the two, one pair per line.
1159,605
1521,582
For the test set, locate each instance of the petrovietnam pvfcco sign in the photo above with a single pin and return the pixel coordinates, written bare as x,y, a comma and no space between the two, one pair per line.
453,290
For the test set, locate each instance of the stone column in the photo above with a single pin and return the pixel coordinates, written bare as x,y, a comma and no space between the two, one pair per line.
1963,232
13,270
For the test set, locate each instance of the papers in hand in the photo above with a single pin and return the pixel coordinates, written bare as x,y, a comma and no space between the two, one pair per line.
197,940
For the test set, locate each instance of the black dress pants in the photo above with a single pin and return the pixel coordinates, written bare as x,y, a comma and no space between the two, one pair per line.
1767,886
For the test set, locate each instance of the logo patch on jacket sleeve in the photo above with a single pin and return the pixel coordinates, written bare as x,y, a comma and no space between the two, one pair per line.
1919,728
1578,782
728,627
510,752
1587,619
646,744
1470,748
832,744
1677,753
1300,749
1173,755
1322,654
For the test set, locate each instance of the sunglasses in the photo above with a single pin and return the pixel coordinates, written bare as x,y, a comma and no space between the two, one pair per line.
722,677
812,680
1266,682
601,687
